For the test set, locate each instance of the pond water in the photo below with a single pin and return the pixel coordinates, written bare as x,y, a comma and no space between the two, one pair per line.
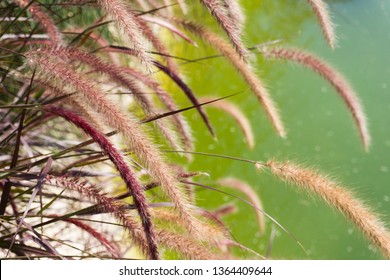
321,132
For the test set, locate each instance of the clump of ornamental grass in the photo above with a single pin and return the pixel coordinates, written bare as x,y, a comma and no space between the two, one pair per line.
86,120
131,130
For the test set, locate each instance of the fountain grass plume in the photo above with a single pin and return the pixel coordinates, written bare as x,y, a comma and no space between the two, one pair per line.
183,6
100,41
130,129
45,20
188,92
243,68
124,170
158,44
168,25
215,231
98,64
185,245
106,203
116,74
251,194
113,250
179,121
127,20
321,10
224,210
337,196
336,79
178,80
144,5
237,114
235,13
231,27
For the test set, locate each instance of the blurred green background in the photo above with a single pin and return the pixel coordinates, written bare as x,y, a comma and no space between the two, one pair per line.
321,132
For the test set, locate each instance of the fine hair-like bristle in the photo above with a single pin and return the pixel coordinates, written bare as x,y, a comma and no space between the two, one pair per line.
321,10
244,69
336,79
338,197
